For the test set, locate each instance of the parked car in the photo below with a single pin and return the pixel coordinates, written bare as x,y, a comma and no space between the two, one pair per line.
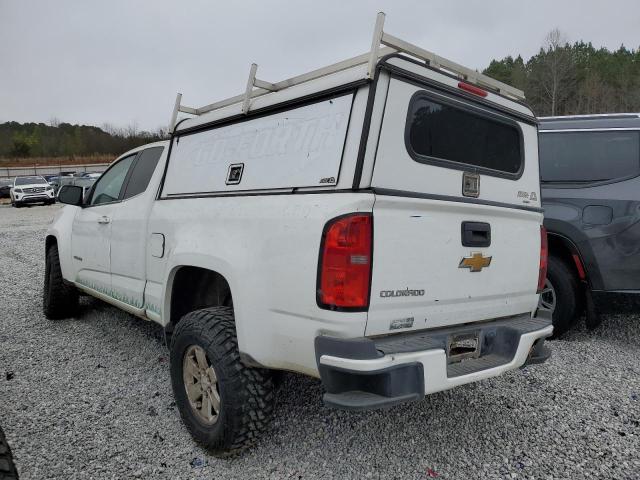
590,171
85,181
5,187
370,233
54,181
31,189
64,179
92,175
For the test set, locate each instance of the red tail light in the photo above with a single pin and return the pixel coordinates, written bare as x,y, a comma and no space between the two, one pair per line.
344,269
472,89
544,258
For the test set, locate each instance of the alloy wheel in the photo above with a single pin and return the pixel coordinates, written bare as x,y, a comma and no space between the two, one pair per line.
548,297
201,384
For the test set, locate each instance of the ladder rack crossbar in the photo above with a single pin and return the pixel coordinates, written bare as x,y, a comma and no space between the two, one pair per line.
437,61
290,82
256,87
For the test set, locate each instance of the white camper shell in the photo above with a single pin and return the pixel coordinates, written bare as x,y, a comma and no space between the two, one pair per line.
376,224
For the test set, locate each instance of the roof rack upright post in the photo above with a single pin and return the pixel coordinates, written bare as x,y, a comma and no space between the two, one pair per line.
254,82
247,93
174,115
375,44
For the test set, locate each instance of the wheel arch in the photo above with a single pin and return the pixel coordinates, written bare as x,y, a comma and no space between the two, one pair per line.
59,234
573,239
191,286
49,241
564,248
64,254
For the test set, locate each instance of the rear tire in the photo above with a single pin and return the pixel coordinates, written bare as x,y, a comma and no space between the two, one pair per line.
7,468
60,300
244,396
566,288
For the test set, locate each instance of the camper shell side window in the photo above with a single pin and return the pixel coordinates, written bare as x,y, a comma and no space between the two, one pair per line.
297,147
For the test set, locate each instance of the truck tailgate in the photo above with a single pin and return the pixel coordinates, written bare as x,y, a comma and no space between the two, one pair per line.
418,280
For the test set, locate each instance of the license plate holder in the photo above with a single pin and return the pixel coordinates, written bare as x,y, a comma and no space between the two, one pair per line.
461,346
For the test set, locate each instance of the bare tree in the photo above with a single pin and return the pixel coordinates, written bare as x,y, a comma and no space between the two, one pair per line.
132,131
553,74
161,133
109,128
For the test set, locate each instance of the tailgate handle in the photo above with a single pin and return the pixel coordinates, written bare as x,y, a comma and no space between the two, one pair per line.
476,234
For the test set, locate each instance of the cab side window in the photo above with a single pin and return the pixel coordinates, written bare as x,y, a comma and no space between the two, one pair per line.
142,171
107,188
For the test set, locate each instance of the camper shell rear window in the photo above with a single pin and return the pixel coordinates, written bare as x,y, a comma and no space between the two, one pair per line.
445,132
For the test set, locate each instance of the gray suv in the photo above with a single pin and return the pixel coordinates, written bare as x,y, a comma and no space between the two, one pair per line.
590,174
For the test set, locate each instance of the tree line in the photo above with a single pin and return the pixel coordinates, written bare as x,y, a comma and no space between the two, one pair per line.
571,79
57,139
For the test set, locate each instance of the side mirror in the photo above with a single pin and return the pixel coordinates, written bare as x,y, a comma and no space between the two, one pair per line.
71,195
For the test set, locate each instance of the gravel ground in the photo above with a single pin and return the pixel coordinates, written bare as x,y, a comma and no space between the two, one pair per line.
91,398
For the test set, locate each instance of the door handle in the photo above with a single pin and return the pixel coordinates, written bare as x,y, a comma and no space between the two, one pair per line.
104,220
476,234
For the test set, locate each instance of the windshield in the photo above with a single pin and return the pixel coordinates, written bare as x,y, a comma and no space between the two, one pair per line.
29,180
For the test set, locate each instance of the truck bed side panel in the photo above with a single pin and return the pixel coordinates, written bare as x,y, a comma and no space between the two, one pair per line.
266,246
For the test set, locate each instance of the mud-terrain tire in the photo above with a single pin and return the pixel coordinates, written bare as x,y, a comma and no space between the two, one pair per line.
566,287
245,396
7,468
59,299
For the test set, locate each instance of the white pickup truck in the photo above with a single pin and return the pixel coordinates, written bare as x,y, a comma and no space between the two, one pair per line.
375,224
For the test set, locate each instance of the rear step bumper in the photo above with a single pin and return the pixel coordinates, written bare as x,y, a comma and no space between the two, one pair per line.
366,373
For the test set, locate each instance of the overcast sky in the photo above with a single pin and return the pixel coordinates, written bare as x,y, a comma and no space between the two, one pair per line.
122,61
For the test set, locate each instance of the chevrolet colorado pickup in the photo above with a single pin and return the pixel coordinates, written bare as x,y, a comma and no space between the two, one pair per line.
375,224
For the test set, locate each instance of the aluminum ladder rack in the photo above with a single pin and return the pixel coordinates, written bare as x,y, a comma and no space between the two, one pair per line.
382,44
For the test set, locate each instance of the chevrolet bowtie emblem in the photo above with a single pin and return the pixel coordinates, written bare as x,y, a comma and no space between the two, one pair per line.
475,262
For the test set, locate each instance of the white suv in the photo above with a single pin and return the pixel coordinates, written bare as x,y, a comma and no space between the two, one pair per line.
375,224
31,189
